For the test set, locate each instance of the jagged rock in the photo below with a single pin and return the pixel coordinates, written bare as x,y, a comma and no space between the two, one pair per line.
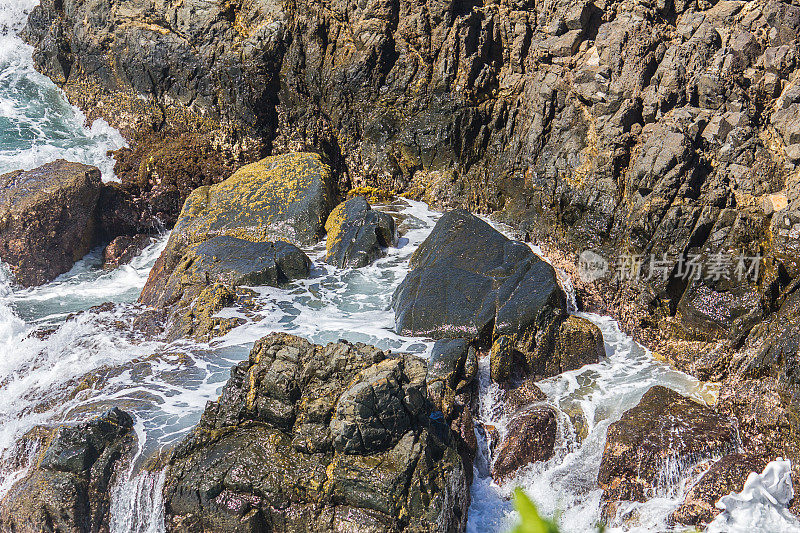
121,250
530,437
69,488
220,239
463,103
322,438
468,280
724,477
47,219
357,235
663,427
208,274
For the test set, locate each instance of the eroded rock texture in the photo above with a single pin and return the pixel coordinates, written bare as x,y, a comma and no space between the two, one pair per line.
69,487
663,428
48,219
320,438
468,280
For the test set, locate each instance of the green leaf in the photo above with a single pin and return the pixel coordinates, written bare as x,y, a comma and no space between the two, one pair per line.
531,522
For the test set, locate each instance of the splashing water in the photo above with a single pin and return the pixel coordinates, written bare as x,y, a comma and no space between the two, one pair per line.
37,124
91,359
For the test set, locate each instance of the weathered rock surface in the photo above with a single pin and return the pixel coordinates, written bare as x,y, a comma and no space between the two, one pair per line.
209,273
48,219
468,280
69,488
663,427
653,129
357,234
222,241
123,249
530,437
725,476
319,438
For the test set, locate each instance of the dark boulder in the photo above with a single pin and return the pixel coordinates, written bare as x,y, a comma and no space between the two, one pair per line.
208,276
724,477
664,427
48,219
284,197
530,437
451,370
69,488
123,249
357,234
468,280
319,438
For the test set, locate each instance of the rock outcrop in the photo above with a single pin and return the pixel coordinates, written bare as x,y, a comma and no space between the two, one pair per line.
664,427
468,280
222,240
357,234
319,438
725,476
530,437
123,249
48,219
651,132
69,487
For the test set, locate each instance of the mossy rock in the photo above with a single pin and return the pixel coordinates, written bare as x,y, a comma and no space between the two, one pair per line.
357,235
286,197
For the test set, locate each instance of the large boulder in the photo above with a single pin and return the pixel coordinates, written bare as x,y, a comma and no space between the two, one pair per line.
319,438
210,273
285,197
357,234
69,487
47,219
468,280
664,430
223,240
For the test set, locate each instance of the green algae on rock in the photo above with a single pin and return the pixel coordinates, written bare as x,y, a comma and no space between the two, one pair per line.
319,438
357,234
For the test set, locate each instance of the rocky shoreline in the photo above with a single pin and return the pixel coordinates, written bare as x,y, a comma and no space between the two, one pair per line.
663,137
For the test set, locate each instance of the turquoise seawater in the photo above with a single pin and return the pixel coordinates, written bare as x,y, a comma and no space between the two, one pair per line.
37,124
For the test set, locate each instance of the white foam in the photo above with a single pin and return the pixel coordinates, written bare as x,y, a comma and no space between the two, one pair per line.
38,124
762,505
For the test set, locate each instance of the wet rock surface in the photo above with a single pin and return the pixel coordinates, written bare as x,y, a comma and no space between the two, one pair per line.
725,476
530,437
123,249
322,438
357,234
468,280
664,427
222,241
69,488
208,277
48,219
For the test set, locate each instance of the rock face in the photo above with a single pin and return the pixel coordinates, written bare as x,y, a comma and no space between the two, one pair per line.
663,427
47,219
123,249
69,489
221,240
357,235
647,131
531,437
726,476
468,280
313,438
